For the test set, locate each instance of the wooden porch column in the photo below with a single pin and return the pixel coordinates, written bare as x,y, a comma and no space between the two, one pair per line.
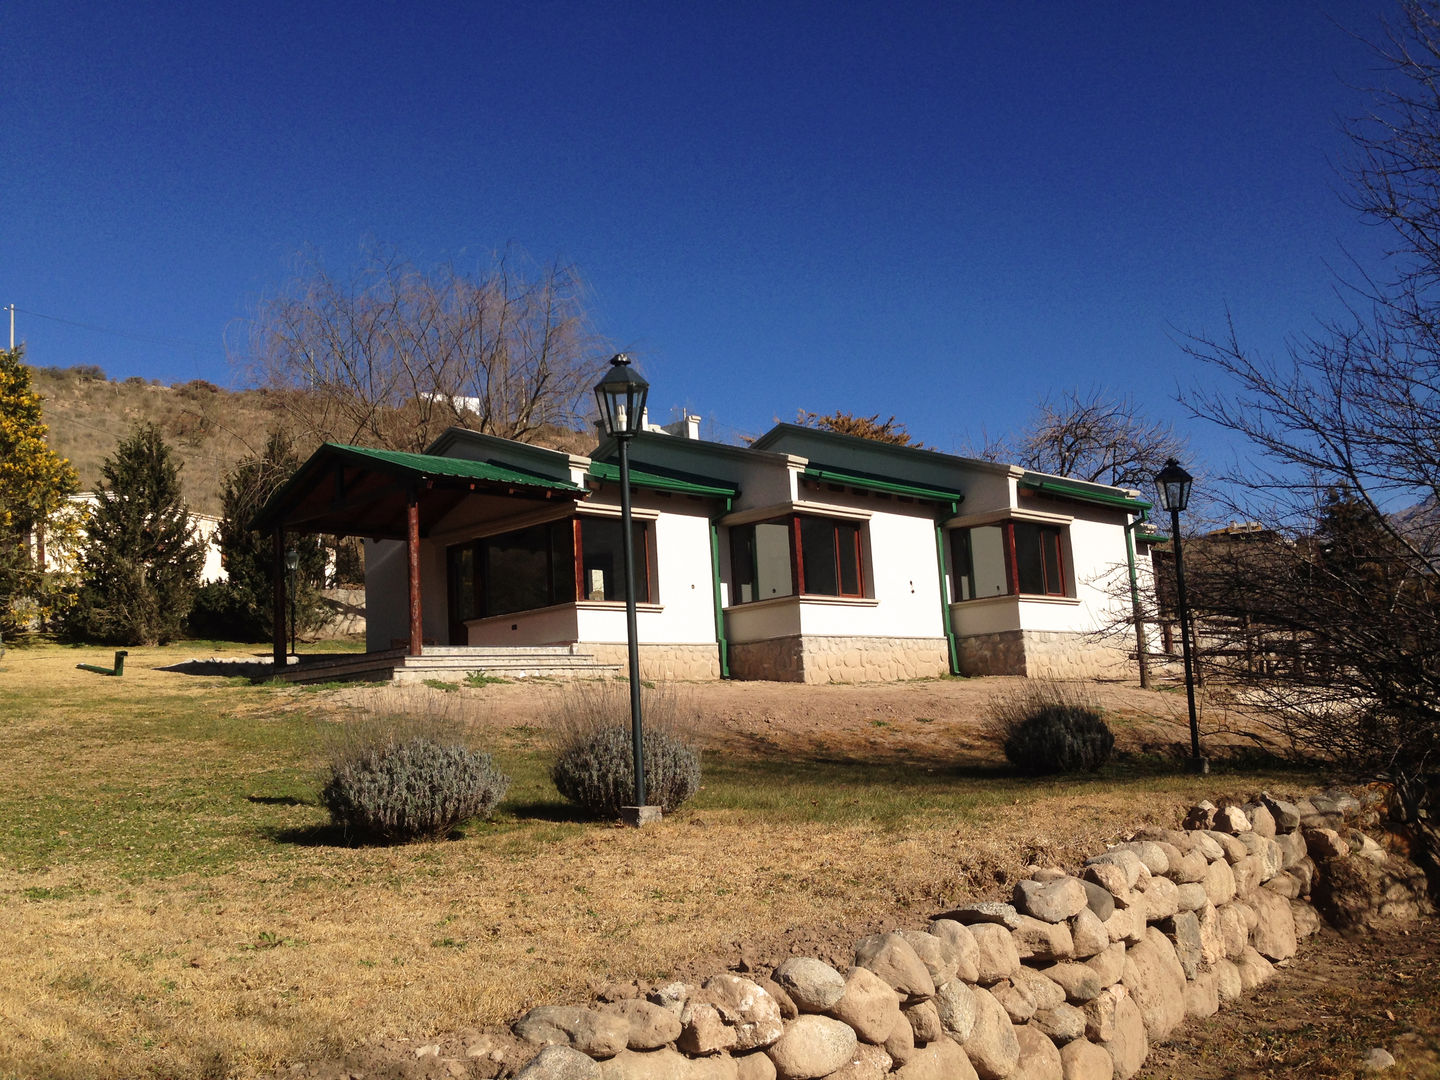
412,544
277,573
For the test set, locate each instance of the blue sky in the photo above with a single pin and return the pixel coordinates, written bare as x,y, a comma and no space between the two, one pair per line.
937,211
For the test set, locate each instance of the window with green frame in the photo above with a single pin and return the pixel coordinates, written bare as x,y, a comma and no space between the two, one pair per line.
802,554
1008,558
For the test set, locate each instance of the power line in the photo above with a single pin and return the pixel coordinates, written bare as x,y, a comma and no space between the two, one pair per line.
148,339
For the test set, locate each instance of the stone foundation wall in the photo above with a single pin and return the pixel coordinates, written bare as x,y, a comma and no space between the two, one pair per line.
816,659
992,654
662,662
1060,655
1074,979
1042,653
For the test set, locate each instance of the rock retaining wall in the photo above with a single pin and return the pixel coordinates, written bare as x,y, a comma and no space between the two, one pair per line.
1071,980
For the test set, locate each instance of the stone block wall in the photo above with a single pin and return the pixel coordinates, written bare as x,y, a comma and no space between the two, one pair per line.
1042,653
663,662
345,612
1073,979
839,659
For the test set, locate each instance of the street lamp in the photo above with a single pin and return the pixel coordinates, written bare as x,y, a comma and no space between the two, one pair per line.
292,572
1173,484
621,398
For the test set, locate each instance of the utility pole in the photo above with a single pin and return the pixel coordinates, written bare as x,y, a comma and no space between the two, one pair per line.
12,327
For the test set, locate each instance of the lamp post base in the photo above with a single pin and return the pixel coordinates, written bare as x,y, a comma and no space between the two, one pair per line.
1198,765
637,817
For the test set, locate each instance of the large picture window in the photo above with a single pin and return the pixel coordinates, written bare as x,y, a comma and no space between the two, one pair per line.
798,554
1007,558
556,562
602,559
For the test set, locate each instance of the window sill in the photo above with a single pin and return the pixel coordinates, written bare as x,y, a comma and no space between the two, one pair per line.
615,605
805,598
1028,598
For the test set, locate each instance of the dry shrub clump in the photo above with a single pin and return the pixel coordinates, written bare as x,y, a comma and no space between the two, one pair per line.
594,752
1051,726
394,779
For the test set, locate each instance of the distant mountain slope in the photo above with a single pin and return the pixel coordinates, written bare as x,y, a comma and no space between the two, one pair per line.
209,428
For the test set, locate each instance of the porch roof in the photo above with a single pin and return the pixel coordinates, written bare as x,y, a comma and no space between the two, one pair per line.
358,491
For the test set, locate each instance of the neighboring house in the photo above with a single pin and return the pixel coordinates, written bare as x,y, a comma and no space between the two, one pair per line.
806,556
54,558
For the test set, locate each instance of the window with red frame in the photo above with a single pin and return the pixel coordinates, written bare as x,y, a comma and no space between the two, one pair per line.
798,554
1007,558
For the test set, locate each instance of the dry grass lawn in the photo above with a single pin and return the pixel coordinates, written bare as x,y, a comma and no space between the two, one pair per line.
175,905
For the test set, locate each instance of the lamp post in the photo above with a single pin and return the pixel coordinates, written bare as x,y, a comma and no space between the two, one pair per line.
621,398
292,572
1173,484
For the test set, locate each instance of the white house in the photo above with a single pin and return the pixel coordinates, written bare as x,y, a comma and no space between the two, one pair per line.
54,557
807,556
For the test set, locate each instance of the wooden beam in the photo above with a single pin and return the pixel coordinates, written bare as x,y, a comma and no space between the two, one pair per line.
412,544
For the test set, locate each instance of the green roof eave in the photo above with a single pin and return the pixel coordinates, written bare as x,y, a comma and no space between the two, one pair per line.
1152,538
1082,492
603,470
401,465
866,482
430,465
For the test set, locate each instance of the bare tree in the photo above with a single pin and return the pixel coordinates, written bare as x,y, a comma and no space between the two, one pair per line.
1347,432
392,355
1094,436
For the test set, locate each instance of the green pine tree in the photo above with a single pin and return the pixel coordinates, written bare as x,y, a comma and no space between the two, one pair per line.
34,482
140,566
240,607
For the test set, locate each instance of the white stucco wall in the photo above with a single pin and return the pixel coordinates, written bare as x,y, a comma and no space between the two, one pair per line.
902,583
546,626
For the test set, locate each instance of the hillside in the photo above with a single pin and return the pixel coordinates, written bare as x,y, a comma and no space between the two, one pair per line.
209,428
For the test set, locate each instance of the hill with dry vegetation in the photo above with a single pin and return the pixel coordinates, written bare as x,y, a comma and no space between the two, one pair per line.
209,428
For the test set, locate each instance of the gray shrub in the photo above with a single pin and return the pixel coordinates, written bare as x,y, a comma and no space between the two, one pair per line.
410,787
1051,727
598,773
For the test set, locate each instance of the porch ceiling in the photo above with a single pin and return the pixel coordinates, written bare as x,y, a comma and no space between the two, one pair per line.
354,491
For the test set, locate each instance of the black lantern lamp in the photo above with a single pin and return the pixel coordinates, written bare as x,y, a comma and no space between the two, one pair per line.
292,573
621,398
1173,485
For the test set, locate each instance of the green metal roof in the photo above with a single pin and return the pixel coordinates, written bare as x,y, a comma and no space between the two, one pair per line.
1152,538
867,482
678,482
356,490
457,468
1083,492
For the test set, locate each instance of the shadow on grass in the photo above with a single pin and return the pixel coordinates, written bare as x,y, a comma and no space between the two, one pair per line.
337,836
327,835
553,810
280,800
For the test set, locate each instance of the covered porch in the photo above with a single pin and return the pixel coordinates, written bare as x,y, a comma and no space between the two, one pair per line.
396,496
